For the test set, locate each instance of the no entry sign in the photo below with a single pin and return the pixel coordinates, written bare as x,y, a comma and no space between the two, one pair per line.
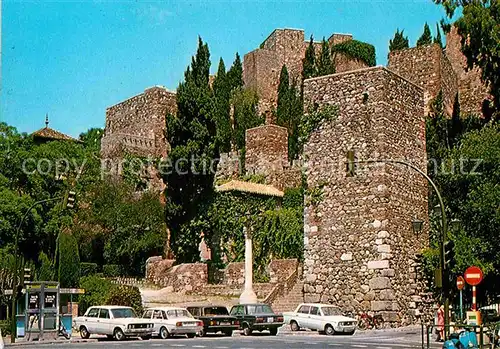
460,282
473,276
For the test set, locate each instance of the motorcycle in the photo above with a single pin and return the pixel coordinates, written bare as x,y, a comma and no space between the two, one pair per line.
462,340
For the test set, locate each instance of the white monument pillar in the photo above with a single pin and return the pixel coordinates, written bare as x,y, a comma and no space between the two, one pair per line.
248,295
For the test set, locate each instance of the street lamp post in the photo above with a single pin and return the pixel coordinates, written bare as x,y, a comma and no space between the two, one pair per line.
14,273
444,272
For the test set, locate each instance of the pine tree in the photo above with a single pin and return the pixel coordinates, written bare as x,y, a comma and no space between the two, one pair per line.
325,64
189,177
399,42
426,38
309,61
438,39
235,73
222,94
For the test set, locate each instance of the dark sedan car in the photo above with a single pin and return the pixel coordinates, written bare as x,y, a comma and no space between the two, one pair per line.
257,317
215,319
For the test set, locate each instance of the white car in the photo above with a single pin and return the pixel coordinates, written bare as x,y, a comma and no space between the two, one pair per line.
113,321
323,318
170,321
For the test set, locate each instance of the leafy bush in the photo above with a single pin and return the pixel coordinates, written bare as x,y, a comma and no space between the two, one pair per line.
129,296
87,269
111,270
293,198
96,291
69,260
45,270
5,327
357,49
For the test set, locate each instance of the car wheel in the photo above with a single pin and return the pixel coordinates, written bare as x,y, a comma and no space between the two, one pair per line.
273,331
329,330
118,334
191,335
84,333
164,333
228,333
247,331
202,333
294,326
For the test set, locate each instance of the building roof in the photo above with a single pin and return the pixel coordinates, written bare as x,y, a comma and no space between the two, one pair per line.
51,134
249,187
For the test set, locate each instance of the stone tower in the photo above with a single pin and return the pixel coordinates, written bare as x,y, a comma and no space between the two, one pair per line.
137,127
358,237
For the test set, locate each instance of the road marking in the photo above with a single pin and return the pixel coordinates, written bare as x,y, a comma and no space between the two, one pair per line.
177,345
198,346
359,346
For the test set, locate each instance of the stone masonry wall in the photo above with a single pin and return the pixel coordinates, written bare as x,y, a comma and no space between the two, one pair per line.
472,91
137,125
262,67
266,149
359,244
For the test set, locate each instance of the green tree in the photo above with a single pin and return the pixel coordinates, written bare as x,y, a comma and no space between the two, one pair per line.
235,74
222,94
399,42
437,38
192,136
426,38
127,296
283,103
245,103
69,260
96,292
309,61
45,270
325,63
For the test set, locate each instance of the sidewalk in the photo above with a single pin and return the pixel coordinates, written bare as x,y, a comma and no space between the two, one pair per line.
22,343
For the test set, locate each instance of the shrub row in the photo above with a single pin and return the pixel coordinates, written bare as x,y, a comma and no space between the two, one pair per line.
108,270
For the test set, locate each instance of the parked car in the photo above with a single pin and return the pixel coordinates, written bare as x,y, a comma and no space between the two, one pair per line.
257,317
170,321
323,318
215,319
113,321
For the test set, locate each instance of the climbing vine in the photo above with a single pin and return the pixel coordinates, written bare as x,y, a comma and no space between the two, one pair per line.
276,225
311,121
357,49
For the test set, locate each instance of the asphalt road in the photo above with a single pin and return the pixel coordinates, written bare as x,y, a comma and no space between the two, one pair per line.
389,340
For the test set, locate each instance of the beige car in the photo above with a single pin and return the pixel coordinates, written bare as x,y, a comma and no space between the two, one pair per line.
172,321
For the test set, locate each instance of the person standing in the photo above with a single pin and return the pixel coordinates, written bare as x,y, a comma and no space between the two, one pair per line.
440,323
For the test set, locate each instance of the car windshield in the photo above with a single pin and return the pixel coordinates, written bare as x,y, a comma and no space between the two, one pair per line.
178,313
331,311
121,313
260,309
216,311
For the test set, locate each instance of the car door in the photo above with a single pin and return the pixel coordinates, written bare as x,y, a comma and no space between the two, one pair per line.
303,316
314,319
148,315
158,319
238,312
103,325
90,321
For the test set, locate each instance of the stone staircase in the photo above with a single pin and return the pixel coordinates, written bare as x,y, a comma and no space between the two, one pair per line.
290,300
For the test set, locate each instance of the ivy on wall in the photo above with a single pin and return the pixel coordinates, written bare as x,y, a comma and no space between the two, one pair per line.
276,225
311,121
358,50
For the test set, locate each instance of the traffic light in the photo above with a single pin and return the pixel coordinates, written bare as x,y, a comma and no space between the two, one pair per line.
27,275
70,201
449,255
350,165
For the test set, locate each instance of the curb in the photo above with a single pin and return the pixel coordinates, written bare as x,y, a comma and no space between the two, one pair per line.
30,343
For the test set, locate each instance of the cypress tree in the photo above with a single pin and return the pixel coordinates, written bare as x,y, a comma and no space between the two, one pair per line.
245,115
283,104
399,42
222,94
235,73
189,178
309,61
426,38
325,64
69,260
438,39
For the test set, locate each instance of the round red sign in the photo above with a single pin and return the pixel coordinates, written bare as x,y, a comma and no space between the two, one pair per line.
473,276
460,282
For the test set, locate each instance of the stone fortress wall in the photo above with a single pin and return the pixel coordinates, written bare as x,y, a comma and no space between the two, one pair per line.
262,67
435,69
359,244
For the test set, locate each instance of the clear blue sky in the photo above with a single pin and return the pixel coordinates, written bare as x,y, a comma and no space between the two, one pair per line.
72,59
